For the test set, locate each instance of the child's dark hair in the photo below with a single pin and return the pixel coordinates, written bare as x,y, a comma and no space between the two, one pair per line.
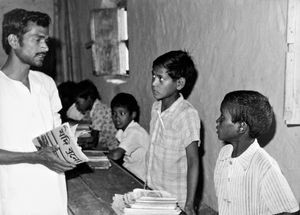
250,107
16,22
67,93
128,101
178,64
86,88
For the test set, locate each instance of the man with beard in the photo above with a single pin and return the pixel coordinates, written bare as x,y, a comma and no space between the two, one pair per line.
31,182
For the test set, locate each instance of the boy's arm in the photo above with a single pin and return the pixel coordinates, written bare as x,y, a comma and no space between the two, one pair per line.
192,176
276,192
116,154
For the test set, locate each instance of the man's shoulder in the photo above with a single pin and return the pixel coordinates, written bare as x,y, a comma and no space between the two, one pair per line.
40,74
42,77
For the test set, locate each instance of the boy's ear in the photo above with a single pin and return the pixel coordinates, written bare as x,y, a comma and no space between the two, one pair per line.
243,127
13,41
133,115
180,83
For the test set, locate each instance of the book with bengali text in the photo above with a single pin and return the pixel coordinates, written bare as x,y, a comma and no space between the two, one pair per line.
63,137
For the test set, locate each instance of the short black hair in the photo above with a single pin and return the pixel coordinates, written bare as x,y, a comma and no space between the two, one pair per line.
16,22
67,93
179,64
128,101
86,88
250,107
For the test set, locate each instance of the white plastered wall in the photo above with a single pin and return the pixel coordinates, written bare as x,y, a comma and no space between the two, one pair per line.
236,44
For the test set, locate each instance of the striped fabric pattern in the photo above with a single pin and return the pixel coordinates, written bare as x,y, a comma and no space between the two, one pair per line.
251,184
171,132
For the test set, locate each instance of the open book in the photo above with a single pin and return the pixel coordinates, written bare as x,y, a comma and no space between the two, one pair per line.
64,137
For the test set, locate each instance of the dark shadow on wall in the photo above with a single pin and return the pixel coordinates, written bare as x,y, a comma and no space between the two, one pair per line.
266,137
190,83
49,65
201,152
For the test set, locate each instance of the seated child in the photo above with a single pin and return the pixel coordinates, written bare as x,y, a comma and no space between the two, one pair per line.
134,139
95,112
67,94
173,160
74,114
247,179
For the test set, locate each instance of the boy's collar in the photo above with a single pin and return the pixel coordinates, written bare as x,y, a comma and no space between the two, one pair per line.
245,158
130,124
173,106
120,131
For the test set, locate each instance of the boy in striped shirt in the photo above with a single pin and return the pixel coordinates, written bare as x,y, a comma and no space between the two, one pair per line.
247,179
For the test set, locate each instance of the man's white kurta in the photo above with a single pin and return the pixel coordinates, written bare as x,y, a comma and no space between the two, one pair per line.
29,189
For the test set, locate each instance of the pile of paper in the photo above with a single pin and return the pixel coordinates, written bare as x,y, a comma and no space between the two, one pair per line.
145,202
97,159
64,139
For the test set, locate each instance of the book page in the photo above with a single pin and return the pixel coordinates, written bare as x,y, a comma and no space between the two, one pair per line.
64,138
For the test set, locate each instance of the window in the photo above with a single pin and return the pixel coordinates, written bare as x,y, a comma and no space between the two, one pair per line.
292,76
110,42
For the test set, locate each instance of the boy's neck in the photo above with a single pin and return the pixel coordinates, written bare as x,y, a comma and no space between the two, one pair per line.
241,146
124,128
167,102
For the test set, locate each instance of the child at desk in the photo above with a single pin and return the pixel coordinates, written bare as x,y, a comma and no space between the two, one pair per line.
95,113
247,179
173,160
134,139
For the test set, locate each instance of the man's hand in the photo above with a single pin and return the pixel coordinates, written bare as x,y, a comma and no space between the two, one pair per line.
48,158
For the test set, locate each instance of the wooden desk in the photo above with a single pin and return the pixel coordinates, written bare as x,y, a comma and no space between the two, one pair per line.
90,191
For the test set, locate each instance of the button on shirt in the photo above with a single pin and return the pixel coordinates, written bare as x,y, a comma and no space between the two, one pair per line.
171,132
251,184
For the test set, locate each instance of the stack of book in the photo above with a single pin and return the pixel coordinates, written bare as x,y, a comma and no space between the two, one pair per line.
97,159
146,202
